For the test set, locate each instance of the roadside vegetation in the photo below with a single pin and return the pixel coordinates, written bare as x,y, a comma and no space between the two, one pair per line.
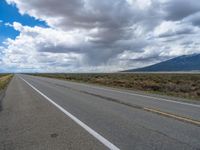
4,80
178,85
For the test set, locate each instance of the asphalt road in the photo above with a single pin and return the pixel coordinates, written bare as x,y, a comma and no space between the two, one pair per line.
43,113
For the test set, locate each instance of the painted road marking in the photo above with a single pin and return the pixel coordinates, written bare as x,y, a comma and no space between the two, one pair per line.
134,94
123,92
184,119
83,125
153,110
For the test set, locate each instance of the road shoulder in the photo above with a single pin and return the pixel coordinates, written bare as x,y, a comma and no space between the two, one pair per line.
28,121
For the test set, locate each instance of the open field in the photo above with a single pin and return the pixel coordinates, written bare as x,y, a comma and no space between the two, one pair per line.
178,85
4,80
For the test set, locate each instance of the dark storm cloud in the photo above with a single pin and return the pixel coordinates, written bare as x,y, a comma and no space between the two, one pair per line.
194,19
115,22
179,9
113,18
110,27
82,14
58,48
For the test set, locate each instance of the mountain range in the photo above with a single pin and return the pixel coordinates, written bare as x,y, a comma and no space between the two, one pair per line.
181,63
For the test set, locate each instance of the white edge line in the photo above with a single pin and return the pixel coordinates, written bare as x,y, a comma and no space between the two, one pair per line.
134,94
83,125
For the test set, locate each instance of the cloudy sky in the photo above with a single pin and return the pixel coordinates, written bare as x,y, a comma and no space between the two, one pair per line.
95,35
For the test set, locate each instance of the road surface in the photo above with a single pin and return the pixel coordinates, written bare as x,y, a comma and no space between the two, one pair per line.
44,113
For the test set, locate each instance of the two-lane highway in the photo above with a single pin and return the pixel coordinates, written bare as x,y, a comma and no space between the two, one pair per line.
110,118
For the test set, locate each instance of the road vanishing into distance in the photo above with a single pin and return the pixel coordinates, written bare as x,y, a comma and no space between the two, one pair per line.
42,113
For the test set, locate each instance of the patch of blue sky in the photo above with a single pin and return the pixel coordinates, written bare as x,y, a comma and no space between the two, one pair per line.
10,14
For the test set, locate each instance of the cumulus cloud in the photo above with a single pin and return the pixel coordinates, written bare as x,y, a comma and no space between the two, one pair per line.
169,28
102,35
25,52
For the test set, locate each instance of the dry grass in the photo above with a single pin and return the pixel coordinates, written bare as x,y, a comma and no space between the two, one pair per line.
4,80
179,85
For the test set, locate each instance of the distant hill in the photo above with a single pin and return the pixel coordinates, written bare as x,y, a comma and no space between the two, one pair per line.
181,63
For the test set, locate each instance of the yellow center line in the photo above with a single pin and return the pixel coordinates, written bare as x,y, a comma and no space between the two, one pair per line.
181,118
